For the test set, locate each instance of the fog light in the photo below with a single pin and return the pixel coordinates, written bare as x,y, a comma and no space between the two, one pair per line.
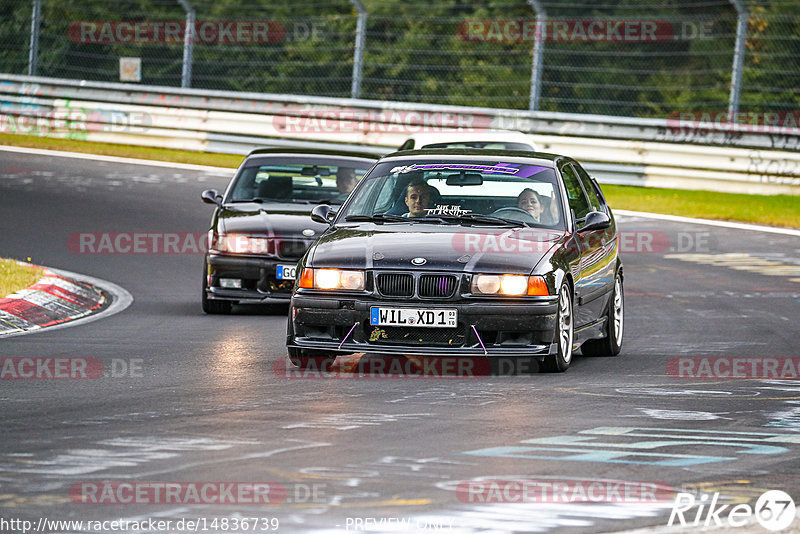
230,283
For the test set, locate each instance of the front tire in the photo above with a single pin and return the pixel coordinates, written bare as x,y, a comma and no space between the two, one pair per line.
565,330
615,322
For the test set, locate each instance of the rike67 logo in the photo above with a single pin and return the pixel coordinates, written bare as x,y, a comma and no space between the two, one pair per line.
774,510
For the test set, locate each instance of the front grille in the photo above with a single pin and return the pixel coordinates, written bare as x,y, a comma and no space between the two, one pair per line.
292,249
394,335
395,285
437,285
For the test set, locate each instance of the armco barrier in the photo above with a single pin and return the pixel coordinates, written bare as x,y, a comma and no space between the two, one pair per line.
617,150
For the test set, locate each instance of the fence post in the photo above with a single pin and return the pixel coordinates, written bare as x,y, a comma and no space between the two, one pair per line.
188,44
738,57
358,54
538,54
33,51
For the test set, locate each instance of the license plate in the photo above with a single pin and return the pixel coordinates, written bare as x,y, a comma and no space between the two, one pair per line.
286,272
430,318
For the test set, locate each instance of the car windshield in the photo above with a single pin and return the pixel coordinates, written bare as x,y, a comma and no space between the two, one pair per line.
457,192
303,181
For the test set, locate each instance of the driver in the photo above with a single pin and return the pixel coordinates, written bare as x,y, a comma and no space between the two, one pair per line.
345,180
418,198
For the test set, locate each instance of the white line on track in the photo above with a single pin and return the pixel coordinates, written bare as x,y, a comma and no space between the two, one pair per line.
115,159
710,222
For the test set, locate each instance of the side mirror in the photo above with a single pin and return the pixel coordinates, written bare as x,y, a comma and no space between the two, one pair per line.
210,196
596,220
323,214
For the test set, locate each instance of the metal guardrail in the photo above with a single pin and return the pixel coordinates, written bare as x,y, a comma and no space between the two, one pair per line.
649,152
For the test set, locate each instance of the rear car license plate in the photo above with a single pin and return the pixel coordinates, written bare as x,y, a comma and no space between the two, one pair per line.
286,272
419,317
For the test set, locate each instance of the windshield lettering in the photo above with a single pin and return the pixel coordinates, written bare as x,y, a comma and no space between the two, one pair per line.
444,209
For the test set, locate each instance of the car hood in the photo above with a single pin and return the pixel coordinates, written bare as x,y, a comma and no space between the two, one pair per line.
444,248
278,220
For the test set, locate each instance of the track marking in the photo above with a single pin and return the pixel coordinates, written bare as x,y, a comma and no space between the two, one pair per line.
120,300
710,222
116,159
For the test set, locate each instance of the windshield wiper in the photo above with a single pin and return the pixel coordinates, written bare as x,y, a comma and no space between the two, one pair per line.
379,217
259,200
484,219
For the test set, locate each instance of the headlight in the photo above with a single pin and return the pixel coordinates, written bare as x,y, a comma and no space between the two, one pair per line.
509,285
241,244
332,279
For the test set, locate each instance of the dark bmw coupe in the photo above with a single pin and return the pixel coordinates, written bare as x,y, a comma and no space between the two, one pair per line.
480,253
261,225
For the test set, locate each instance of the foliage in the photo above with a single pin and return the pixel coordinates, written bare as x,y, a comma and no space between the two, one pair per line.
416,51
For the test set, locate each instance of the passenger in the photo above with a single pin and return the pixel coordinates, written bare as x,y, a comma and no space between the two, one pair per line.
418,198
532,202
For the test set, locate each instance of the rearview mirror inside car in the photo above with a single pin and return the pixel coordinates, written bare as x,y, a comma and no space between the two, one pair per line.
315,171
464,178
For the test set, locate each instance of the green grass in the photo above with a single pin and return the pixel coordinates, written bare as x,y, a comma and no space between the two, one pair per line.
14,276
775,210
125,151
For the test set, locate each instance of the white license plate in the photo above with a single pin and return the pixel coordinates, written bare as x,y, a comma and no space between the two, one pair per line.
286,272
424,317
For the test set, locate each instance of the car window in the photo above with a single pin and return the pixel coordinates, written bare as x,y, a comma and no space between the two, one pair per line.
522,192
575,194
309,181
589,187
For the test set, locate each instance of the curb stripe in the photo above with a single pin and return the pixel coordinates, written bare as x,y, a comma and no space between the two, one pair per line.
52,300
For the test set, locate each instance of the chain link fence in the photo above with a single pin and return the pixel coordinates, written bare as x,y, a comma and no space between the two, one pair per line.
647,58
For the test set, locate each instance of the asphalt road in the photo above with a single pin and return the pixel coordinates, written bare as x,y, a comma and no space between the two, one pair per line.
204,404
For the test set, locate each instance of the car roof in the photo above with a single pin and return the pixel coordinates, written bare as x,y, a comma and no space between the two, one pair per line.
455,136
312,152
473,153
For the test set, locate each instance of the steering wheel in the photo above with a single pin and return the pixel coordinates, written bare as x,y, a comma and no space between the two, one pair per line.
514,214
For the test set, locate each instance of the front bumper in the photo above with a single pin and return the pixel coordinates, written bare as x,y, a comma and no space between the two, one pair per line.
341,325
258,275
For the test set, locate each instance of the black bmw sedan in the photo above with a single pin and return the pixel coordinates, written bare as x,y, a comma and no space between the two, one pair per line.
261,226
479,253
